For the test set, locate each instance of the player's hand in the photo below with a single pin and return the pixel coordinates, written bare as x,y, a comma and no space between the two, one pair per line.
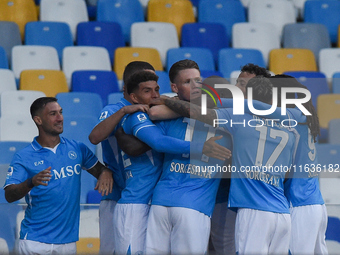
214,150
105,183
42,178
135,108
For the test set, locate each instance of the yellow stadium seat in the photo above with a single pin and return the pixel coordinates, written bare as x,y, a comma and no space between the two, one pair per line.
328,107
18,11
285,60
51,82
88,245
177,12
125,55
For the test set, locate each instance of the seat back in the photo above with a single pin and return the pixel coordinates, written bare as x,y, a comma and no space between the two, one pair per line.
163,82
329,61
336,83
328,108
7,80
9,37
3,58
88,245
17,128
114,98
9,148
334,131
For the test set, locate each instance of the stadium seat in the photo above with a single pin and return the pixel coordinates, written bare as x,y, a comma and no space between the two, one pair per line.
278,13
89,223
3,246
9,37
177,12
324,12
299,7
333,229
88,182
158,35
7,80
206,74
285,60
77,58
7,233
336,83
8,149
306,36
123,12
103,34
80,103
18,11
334,131
17,128
329,61
51,82
93,197
18,102
125,55
163,82
100,82
260,36
3,59
233,59
202,56
46,33
88,245
316,82
114,98
71,12
222,11
212,36
28,57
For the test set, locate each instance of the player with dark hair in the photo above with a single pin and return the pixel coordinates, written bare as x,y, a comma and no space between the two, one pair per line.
47,173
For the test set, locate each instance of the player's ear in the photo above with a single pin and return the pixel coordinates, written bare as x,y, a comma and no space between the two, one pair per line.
134,98
174,87
37,120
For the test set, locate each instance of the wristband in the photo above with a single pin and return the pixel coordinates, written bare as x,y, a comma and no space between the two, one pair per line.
30,183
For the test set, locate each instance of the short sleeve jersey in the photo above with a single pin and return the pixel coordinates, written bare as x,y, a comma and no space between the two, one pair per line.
190,181
257,144
111,151
52,213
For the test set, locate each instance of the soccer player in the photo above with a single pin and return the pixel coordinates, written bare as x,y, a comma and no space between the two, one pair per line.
105,132
184,197
47,173
263,220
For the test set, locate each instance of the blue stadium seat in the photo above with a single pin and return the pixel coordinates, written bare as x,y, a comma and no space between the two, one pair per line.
316,82
310,36
333,229
232,59
100,82
123,12
324,12
206,74
205,35
49,33
336,83
88,182
163,82
80,103
328,153
222,11
202,56
93,197
114,98
8,223
3,58
9,148
103,34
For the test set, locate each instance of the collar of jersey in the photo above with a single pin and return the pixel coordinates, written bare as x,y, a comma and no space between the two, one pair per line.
125,102
36,146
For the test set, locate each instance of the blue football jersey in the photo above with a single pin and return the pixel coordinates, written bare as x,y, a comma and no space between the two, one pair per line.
190,180
111,151
52,213
262,154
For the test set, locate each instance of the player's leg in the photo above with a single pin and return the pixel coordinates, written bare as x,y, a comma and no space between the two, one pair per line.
190,233
158,231
223,229
279,243
106,208
321,246
129,230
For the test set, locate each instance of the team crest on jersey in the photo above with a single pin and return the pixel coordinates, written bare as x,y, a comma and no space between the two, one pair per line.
39,163
141,117
72,155
103,115
9,172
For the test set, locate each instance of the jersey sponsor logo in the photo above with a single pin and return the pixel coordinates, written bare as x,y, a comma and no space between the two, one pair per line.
103,115
141,117
72,155
9,172
41,162
67,171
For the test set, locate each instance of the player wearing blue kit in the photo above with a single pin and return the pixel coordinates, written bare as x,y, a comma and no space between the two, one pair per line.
263,221
105,132
47,173
184,197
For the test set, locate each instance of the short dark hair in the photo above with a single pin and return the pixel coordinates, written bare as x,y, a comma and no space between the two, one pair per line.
181,65
255,69
39,104
135,66
137,78
262,89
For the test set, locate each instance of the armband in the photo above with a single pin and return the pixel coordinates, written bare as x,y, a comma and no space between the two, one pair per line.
30,183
